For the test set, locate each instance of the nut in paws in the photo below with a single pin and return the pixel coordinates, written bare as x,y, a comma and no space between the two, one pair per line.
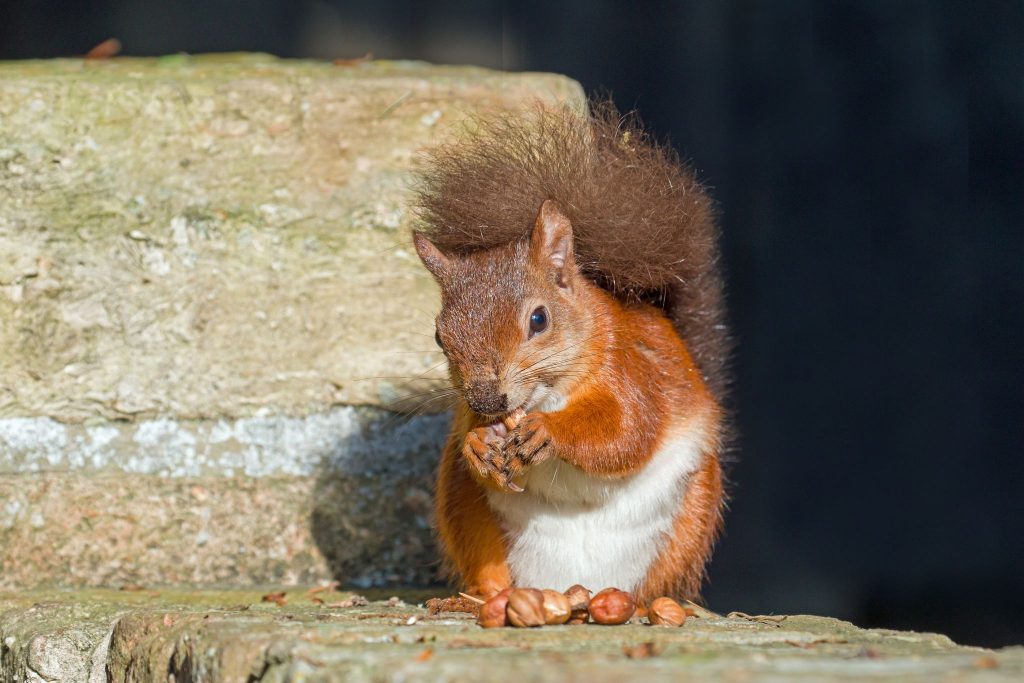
527,444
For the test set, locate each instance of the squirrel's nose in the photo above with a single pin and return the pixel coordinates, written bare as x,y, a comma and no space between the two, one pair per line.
486,398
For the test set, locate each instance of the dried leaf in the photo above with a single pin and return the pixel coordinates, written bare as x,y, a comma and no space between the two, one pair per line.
354,601
276,598
768,619
105,50
803,644
353,62
695,610
986,662
466,643
642,651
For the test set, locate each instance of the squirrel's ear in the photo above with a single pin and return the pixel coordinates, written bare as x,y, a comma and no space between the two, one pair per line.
436,262
551,241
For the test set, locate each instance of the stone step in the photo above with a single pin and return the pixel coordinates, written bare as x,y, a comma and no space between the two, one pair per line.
346,493
209,313
231,635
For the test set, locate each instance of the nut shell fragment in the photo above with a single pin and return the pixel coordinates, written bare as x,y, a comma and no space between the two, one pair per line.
513,418
579,600
666,612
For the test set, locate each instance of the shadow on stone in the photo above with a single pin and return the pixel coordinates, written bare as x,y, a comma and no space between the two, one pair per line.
372,502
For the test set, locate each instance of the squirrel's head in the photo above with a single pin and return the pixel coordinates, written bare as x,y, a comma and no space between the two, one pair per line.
514,321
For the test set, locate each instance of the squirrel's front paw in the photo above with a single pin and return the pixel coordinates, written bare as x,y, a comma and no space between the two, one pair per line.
482,451
527,444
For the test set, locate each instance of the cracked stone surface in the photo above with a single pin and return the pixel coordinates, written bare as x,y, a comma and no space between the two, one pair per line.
231,635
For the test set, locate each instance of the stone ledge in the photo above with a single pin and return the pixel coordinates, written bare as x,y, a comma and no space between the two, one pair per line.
233,636
343,495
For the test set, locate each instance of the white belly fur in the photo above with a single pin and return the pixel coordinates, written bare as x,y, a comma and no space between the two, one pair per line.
569,527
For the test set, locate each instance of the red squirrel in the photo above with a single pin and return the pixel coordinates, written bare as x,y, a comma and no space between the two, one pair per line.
577,263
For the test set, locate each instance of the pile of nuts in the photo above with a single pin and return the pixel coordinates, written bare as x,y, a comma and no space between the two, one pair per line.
526,607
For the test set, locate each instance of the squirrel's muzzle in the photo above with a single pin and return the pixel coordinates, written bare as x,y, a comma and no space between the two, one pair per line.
486,398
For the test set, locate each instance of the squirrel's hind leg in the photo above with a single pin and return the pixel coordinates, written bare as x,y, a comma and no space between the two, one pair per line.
678,569
469,532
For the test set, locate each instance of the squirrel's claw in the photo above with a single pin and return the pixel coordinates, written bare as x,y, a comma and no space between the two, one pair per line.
502,479
483,454
478,452
527,444
499,461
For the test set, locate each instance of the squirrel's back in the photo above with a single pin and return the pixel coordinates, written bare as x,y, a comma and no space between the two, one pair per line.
643,226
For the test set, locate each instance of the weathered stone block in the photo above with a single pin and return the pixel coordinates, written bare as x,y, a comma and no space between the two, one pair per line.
345,493
208,306
208,237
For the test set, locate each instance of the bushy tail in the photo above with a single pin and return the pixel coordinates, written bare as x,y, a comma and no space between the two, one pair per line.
644,227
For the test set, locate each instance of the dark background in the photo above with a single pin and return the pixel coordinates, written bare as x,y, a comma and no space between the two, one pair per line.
869,162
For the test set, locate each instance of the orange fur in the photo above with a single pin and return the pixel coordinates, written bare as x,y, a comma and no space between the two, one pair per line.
638,372
582,219
613,422
680,567
468,530
645,227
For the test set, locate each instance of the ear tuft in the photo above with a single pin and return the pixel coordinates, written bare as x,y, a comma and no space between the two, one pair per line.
433,258
551,243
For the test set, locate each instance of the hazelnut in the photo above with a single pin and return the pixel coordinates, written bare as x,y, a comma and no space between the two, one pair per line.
611,606
512,419
666,612
492,612
556,607
579,599
525,607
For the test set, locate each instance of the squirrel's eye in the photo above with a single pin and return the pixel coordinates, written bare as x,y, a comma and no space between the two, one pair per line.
437,339
538,320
